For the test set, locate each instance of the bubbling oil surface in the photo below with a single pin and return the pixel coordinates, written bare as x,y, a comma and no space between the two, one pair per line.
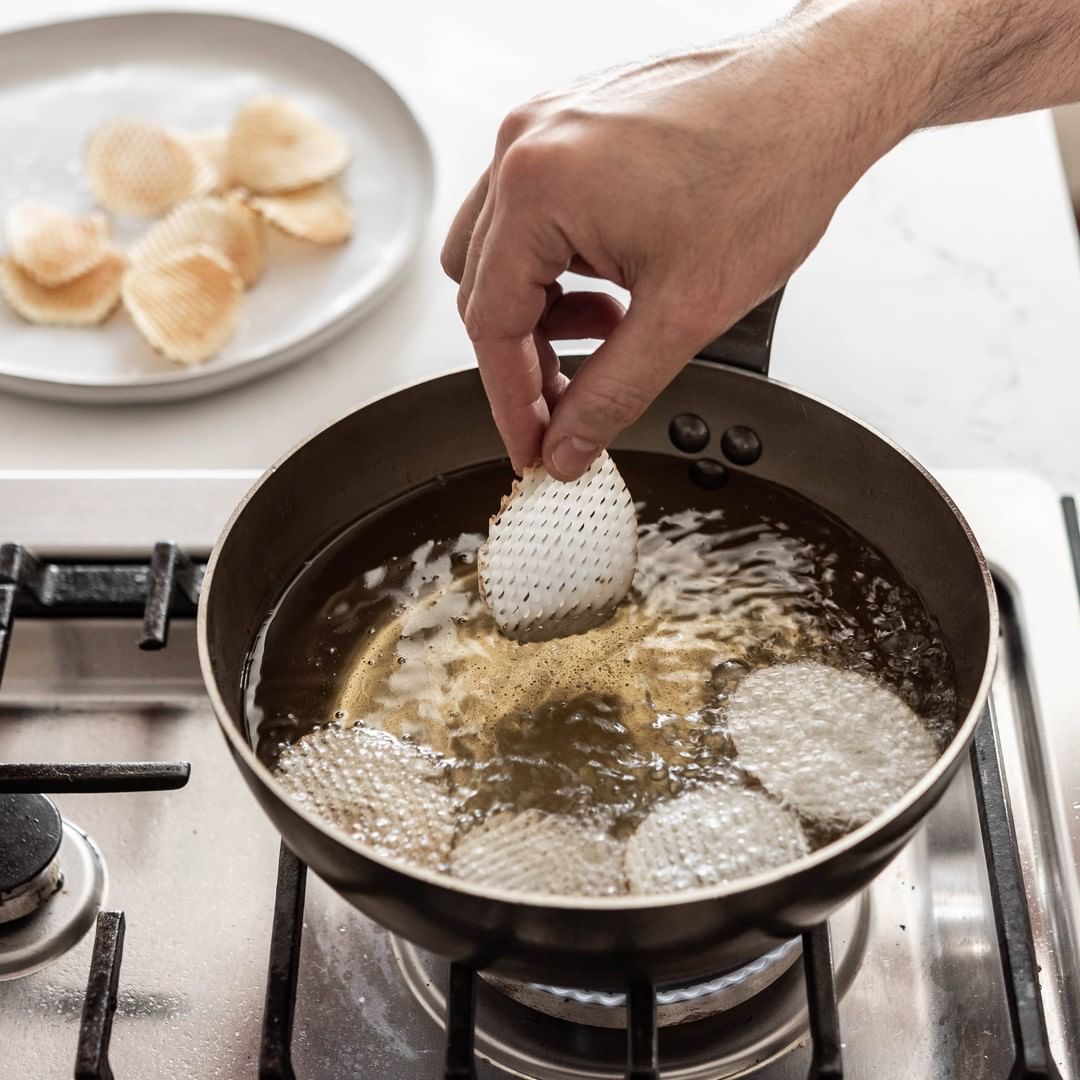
385,629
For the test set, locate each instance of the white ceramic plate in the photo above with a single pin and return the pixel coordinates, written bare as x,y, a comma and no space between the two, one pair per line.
58,82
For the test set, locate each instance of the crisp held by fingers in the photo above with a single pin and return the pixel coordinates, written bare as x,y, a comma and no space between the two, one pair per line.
559,556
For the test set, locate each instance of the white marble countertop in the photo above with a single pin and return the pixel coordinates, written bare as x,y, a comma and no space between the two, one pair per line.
943,306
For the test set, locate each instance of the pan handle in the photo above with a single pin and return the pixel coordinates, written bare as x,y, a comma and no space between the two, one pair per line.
748,343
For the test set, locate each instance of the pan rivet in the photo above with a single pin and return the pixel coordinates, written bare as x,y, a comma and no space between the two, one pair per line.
740,445
708,474
688,433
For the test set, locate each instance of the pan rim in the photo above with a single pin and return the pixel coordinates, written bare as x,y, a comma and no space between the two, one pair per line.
945,763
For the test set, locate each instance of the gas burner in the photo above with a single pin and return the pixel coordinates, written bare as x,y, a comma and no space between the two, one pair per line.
29,869
51,928
714,1029
675,1005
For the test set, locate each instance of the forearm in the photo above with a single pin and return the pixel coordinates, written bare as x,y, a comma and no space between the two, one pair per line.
729,163
931,62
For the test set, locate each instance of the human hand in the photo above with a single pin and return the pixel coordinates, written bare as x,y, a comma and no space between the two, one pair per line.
698,182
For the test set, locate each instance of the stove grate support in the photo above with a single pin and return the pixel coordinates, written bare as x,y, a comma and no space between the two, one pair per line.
166,586
642,1045
92,777
11,572
31,587
170,570
461,1023
827,1060
275,1053
1033,1060
99,1005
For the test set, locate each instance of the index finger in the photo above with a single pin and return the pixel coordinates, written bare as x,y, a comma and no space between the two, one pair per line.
508,301
456,245
513,381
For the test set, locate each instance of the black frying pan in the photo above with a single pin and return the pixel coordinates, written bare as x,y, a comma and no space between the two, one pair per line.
374,456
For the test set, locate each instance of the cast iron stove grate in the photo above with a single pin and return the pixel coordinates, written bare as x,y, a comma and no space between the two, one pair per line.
1032,1060
169,584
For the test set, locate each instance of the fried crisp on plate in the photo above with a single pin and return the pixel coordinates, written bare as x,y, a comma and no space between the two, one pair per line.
274,146
141,169
53,246
319,214
225,224
85,301
186,304
186,274
212,146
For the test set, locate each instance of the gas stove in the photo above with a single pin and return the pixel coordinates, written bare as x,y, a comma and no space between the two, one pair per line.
160,929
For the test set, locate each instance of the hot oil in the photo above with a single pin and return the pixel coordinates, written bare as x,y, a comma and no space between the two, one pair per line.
385,628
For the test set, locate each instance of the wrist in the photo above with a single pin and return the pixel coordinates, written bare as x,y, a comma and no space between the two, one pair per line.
872,66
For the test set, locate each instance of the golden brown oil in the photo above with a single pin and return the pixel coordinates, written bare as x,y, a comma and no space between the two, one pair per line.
385,628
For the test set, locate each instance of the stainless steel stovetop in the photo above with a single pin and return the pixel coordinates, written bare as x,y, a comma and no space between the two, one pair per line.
917,957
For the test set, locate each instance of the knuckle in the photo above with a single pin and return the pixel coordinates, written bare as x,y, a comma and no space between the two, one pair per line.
573,116
526,162
450,259
516,122
476,326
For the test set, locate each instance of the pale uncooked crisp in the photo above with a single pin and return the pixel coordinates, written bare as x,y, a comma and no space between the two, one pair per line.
386,794
224,224
139,168
319,214
710,836
275,146
537,852
53,246
86,301
559,556
833,744
185,305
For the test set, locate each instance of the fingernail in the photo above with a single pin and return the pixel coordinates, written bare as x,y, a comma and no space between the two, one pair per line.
573,456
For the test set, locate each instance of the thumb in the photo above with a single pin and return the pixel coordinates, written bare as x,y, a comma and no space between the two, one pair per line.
617,384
